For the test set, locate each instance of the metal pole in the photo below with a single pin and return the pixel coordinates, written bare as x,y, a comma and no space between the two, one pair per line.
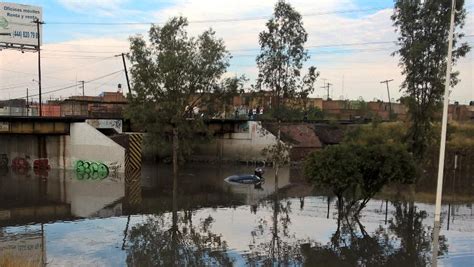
449,215
444,123
83,86
39,64
329,206
389,99
126,74
329,84
27,105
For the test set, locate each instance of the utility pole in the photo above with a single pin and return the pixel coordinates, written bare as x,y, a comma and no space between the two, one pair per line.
27,104
126,72
442,147
38,23
327,89
83,87
389,100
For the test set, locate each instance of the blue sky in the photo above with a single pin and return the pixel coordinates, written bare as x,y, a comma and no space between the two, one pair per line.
84,52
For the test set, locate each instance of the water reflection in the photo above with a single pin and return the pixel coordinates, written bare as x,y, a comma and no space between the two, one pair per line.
176,240
271,242
406,242
144,219
36,197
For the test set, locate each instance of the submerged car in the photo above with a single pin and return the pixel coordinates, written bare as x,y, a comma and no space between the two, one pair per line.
256,178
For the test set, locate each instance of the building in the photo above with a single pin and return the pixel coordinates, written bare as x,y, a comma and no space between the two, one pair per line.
107,104
17,107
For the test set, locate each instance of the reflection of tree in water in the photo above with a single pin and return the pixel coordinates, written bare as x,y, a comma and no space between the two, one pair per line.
156,242
282,248
406,242
164,241
415,239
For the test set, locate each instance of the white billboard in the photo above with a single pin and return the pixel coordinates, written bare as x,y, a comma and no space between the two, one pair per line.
17,21
22,249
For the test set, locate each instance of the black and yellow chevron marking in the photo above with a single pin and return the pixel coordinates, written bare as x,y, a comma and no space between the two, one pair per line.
133,190
133,157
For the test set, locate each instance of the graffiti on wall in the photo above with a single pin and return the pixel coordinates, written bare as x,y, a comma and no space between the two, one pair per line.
106,124
114,168
3,161
86,170
41,164
21,163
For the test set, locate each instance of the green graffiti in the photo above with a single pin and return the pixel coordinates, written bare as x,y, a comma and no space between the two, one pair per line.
90,170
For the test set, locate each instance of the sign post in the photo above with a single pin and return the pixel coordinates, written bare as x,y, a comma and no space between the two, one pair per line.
20,29
17,27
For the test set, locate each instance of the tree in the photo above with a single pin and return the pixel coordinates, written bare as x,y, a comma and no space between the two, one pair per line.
335,168
280,61
357,172
423,28
173,76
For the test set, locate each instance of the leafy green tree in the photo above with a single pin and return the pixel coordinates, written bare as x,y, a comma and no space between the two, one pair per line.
357,172
280,61
173,75
376,133
334,168
423,28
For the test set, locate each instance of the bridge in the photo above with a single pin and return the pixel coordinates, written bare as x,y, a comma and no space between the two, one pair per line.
59,142
37,125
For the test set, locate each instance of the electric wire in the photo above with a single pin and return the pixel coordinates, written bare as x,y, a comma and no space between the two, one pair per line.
214,20
70,86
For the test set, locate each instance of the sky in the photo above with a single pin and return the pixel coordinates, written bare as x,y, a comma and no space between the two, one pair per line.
349,42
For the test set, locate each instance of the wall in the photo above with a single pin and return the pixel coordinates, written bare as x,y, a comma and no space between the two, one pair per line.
246,144
18,111
51,110
30,148
61,151
87,143
106,124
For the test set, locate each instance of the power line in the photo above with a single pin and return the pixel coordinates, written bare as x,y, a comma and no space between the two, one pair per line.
214,20
20,85
74,85
329,52
72,51
81,66
52,51
236,50
107,81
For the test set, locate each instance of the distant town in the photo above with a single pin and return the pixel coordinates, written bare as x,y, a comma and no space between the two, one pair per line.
111,104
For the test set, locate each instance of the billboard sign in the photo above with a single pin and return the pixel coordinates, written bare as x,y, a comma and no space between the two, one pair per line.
16,24
23,249
4,126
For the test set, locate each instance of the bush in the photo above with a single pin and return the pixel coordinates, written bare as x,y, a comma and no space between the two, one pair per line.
356,172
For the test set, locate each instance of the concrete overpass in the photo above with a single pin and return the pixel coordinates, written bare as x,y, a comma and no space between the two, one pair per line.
59,142
55,143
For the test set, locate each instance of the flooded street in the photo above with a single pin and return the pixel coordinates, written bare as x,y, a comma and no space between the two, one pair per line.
58,218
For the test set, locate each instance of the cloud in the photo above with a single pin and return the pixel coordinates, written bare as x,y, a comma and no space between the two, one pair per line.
62,65
104,7
359,67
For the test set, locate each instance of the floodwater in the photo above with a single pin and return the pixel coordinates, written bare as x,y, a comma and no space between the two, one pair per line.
58,218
